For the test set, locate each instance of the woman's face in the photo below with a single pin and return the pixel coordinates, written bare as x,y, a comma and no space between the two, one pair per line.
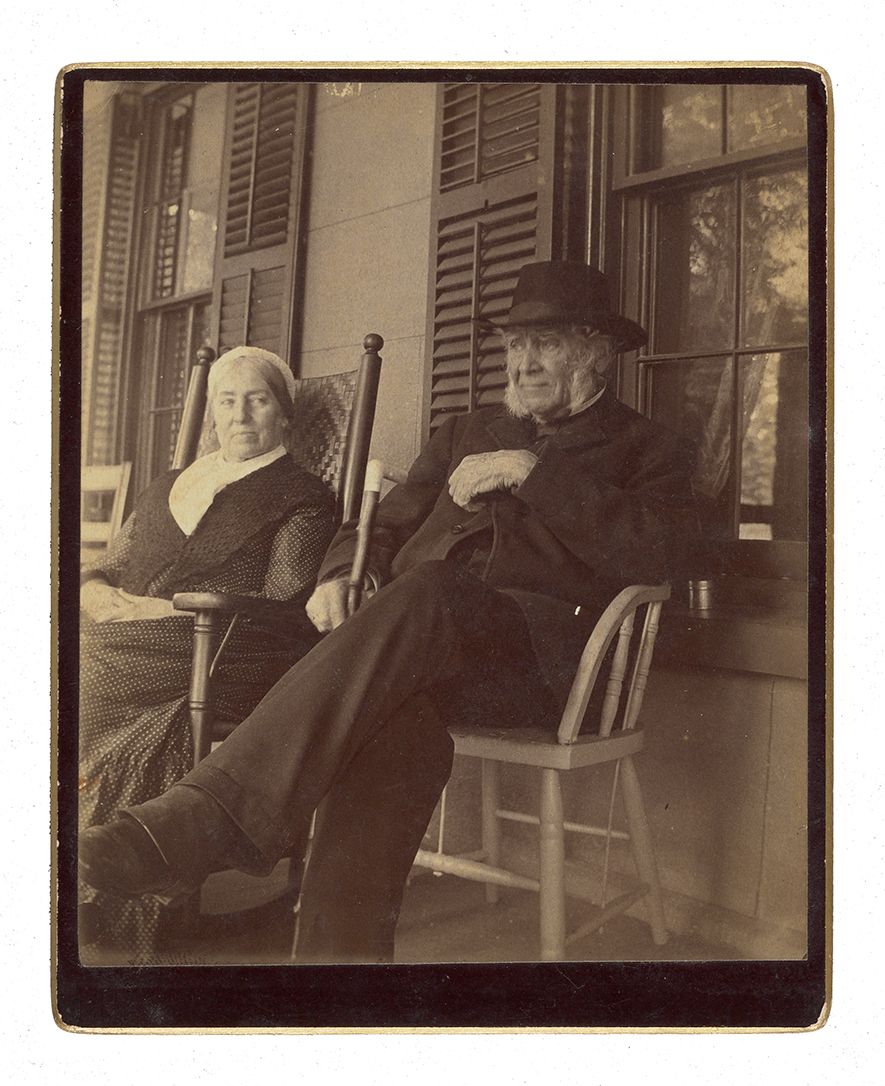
248,418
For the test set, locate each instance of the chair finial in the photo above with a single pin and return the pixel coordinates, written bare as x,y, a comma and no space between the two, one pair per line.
373,342
205,356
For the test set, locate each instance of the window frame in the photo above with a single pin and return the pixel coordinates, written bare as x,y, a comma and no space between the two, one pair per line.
139,376
749,557
139,382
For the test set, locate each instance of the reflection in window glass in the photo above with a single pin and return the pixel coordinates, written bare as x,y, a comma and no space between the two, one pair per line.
201,230
694,397
775,258
773,447
177,342
184,218
96,506
170,183
762,115
684,124
718,266
695,295
202,195
167,245
173,359
688,122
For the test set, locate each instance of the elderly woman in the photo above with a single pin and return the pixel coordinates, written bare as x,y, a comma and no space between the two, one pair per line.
245,519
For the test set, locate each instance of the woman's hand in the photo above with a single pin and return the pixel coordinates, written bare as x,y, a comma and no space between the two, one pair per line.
104,603
100,601
143,607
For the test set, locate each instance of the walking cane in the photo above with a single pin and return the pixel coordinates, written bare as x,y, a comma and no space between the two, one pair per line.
371,494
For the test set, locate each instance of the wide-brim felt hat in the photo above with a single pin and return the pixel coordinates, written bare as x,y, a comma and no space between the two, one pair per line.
558,292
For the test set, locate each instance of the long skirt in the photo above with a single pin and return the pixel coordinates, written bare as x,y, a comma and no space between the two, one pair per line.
135,742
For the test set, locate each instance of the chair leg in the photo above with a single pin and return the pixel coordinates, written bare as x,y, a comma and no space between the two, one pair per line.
643,853
491,828
552,874
200,694
296,908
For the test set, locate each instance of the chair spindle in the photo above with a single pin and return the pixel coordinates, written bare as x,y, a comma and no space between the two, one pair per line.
359,432
615,683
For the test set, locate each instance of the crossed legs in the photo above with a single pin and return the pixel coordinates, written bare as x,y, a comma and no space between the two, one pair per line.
360,719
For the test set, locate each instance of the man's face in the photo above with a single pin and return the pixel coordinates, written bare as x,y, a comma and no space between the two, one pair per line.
539,371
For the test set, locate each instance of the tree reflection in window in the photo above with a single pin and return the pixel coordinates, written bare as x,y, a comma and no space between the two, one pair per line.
712,180
689,124
774,476
694,304
683,124
694,397
763,115
748,426
775,258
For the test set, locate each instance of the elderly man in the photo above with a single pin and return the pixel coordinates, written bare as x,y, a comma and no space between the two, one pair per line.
516,526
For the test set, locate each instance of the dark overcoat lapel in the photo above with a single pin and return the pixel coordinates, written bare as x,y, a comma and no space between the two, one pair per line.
602,509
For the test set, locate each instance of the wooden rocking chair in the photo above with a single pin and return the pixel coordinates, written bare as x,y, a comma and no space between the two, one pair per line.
330,437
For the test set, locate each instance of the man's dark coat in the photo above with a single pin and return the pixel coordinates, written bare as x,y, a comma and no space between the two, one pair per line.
608,504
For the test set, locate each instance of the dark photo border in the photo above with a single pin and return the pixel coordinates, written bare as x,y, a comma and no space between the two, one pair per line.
731,995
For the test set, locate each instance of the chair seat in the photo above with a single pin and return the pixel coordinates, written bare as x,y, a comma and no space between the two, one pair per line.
538,747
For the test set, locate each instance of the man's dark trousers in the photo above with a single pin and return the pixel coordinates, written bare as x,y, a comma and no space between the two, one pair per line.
360,719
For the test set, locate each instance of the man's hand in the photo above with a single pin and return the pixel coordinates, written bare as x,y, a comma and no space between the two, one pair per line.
488,471
327,606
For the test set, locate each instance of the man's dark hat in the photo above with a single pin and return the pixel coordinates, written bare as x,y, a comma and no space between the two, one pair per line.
555,292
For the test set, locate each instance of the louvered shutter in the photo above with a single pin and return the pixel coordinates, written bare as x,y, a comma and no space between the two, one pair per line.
108,220
256,275
493,212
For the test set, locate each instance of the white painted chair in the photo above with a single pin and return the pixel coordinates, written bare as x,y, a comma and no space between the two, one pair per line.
103,490
616,741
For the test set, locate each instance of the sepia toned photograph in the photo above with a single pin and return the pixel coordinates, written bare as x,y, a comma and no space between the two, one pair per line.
442,569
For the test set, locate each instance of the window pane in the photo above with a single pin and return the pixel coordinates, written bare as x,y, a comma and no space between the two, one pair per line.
175,127
165,252
695,270
775,258
177,344
178,118
694,397
202,195
774,479
761,115
173,359
201,230
686,125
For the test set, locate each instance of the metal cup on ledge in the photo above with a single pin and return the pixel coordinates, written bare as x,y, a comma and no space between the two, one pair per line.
700,595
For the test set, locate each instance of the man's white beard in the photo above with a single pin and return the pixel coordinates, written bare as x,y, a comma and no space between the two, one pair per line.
583,386
513,403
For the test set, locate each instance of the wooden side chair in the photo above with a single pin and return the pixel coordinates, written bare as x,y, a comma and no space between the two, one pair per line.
103,490
629,625
330,436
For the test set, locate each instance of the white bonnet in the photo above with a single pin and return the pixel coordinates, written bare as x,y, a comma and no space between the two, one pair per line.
250,354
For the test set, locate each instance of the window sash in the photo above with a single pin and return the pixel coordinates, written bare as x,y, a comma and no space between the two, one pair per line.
631,207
